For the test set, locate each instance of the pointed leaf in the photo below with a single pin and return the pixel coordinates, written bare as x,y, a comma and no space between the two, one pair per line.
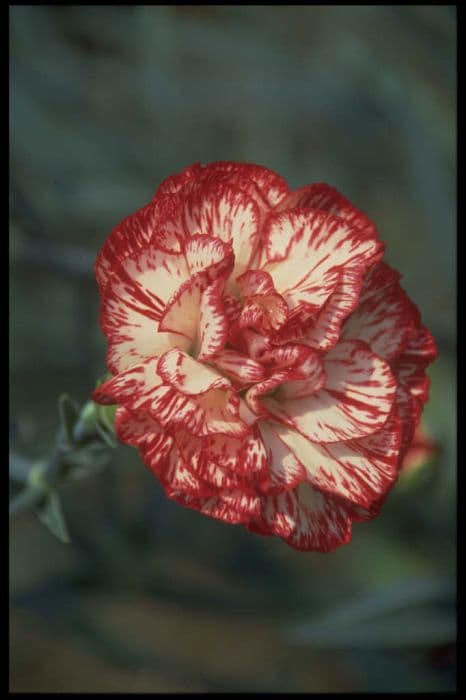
50,513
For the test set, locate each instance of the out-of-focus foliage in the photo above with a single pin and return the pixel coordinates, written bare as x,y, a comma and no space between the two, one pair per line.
105,102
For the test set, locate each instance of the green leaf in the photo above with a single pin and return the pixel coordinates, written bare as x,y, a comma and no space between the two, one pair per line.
50,513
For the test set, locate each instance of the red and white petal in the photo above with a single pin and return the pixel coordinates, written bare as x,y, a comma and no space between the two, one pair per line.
286,471
209,255
142,389
188,376
192,306
355,401
202,403
271,186
247,416
327,198
133,305
385,317
357,470
176,183
409,408
410,367
139,430
181,315
143,284
325,331
308,374
240,369
413,389
215,411
130,236
179,477
213,323
131,388
224,212
307,519
264,313
307,250
130,317
232,307
254,344
214,406
226,463
263,308
254,282
233,508
245,505
135,341
203,458
254,394
244,456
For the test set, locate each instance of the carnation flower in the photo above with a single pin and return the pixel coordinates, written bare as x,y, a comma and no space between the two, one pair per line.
266,363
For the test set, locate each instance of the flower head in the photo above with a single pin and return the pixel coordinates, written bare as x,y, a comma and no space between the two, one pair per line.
266,363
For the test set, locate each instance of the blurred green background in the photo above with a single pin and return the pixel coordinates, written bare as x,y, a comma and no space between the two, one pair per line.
106,101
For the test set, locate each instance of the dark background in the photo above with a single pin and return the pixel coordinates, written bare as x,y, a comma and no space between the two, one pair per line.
105,102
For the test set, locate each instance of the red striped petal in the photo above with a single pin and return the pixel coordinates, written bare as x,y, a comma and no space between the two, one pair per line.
271,186
133,388
410,367
192,306
156,223
188,376
143,284
208,255
357,470
181,313
141,431
325,331
234,508
175,390
385,317
327,198
133,305
263,308
240,369
225,462
227,213
307,251
308,374
286,471
305,518
213,324
355,401
176,183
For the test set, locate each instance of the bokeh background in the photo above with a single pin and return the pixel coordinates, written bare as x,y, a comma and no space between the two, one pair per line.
106,101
